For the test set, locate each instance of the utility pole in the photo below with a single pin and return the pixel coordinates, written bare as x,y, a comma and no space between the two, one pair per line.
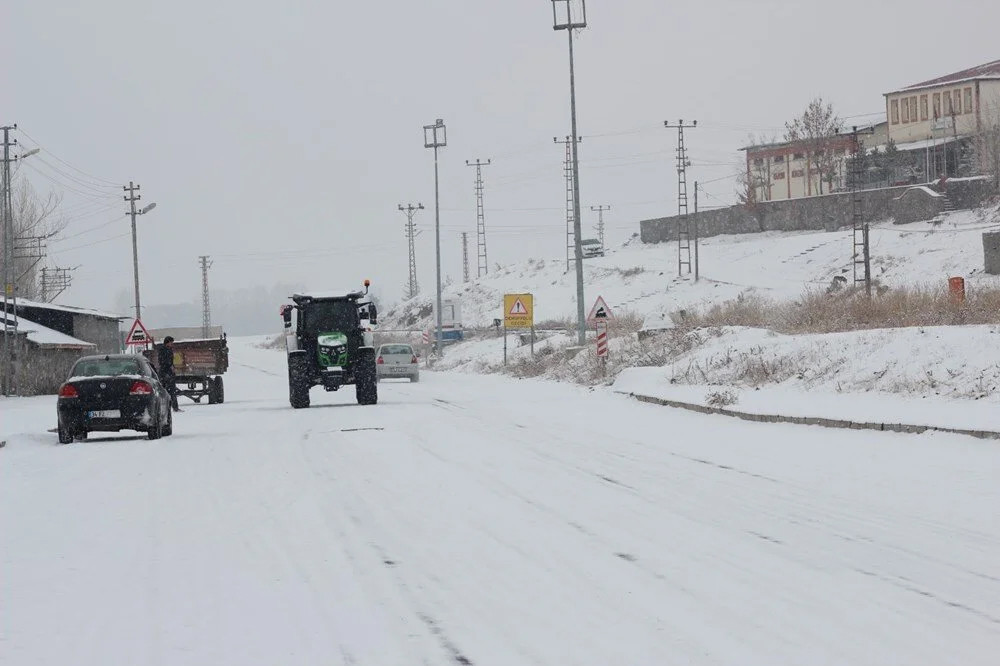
600,221
411,233
482,264
570,200
131,198
9,293
206,308
860,229
54,282
683,223
566,22
695,226
433,140
465,256
11,254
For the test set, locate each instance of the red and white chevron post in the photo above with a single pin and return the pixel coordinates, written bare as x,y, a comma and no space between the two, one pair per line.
602,340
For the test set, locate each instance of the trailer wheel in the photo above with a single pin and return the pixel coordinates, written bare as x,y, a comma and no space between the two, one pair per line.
220,391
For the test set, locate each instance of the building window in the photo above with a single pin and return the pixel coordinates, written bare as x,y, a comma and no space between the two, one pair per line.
779,159
797,173
906,110
913,109
936,101
968,100
894,111
799,156
957,96
923,107
759,161
946,98
779,175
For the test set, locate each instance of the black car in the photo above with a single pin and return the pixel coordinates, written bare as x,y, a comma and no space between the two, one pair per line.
113,393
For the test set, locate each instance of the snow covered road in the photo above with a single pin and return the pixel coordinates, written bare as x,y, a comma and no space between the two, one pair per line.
482,520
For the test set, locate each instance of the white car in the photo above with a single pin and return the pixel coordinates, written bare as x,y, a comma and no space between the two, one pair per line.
591,247
397,360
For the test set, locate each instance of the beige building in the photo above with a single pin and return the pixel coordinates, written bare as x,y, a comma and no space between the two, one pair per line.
941,118
796,169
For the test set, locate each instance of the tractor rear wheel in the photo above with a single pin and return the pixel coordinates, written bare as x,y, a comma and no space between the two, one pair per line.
365,377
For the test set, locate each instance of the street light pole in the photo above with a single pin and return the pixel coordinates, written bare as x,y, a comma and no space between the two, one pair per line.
10,277
568,24
132,197
433,140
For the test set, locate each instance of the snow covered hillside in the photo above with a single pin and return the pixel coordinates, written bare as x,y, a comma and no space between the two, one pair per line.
643,278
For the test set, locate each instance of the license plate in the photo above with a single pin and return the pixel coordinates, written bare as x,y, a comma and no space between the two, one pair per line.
106,414
398,368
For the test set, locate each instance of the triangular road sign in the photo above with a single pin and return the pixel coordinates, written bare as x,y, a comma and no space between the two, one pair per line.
138,335
518,308
600,311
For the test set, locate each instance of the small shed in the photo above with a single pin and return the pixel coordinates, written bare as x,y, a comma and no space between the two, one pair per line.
43,357
93,326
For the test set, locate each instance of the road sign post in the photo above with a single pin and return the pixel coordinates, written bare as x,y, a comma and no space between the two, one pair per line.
518,314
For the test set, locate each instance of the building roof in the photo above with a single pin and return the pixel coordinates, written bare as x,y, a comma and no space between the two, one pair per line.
181,333
989,70
42,336
21,302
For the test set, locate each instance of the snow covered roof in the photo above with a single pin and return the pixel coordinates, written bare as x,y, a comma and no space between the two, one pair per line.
989,70
330,294
21,302
45,337
181,333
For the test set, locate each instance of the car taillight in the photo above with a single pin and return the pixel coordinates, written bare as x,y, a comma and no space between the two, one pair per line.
68,391
380,361
413,360
141,388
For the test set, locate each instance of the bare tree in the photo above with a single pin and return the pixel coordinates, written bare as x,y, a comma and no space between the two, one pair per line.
34,217
817,124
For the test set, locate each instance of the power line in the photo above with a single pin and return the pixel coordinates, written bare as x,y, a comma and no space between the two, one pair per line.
62,161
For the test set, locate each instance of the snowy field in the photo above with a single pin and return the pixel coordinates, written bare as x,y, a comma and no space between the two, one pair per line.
483,520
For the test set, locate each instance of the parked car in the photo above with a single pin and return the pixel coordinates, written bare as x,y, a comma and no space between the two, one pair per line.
591,247
113,393
397,360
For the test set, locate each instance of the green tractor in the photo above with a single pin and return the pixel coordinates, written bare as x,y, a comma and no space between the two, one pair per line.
331,345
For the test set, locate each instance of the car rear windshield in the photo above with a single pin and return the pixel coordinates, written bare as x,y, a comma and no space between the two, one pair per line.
397,349
106,367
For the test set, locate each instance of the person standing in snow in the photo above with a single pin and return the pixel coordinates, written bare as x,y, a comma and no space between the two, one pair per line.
165,361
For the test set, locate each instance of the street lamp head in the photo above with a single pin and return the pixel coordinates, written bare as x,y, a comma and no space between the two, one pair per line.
147,209
33,151
436,135
565,11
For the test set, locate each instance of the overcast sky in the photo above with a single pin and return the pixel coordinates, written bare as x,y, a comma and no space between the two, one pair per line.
280,137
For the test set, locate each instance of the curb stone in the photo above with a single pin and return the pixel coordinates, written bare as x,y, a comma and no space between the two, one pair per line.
812,420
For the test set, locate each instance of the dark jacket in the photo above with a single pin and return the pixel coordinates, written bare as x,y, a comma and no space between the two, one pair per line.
165,361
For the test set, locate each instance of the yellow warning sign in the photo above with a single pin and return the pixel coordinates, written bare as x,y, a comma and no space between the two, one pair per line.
518,310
